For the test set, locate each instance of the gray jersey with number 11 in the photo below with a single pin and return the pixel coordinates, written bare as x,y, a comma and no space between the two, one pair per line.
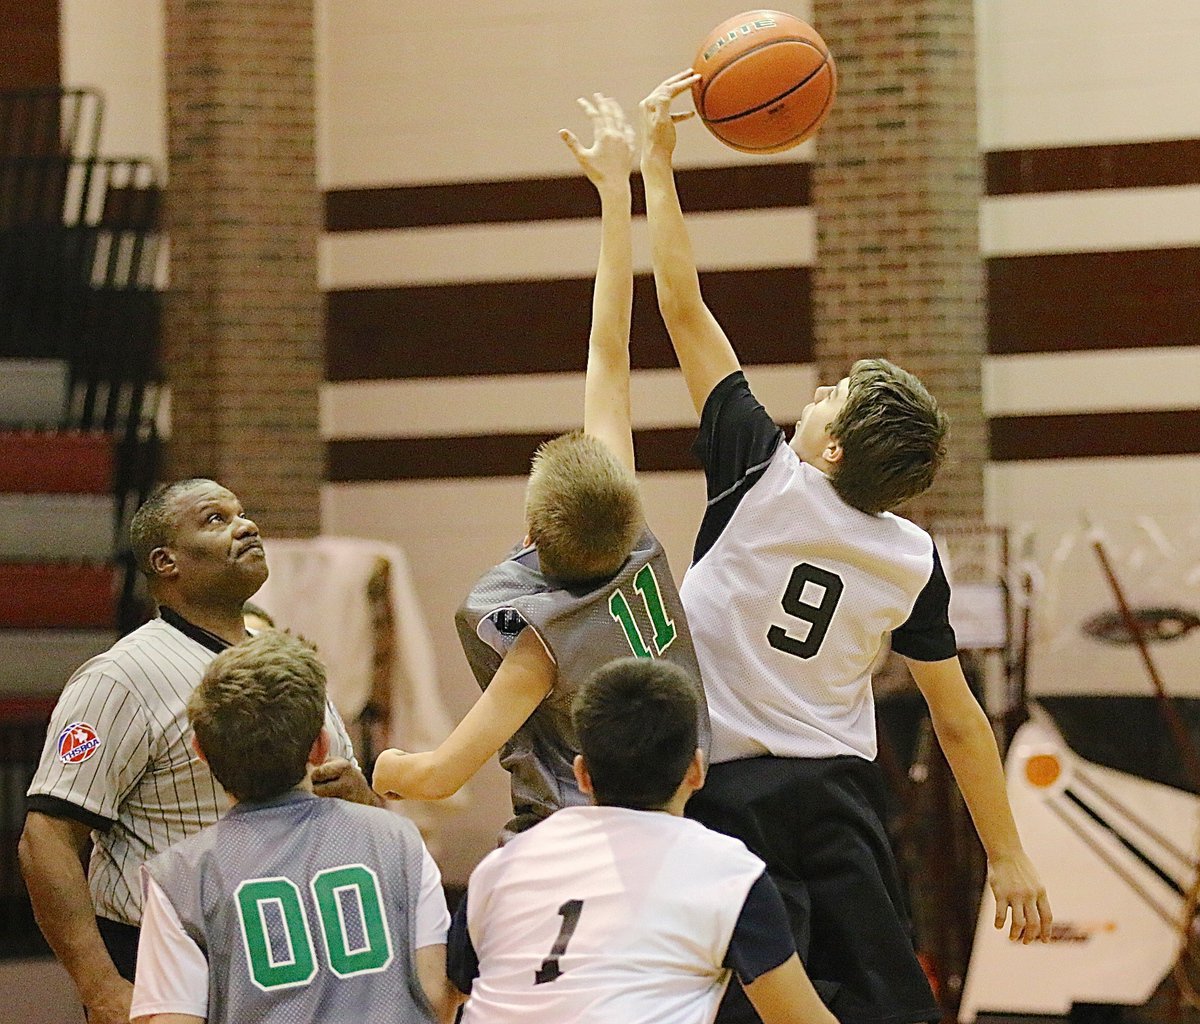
636,612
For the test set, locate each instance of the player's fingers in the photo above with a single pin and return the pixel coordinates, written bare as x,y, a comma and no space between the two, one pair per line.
588,108
604,109
1001,914
685,81
1046,915
570,139
682,115
1017,928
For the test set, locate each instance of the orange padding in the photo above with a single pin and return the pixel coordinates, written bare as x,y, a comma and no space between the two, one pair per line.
57,596
55,462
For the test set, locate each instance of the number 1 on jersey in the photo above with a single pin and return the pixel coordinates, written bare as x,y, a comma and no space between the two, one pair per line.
646,584
550,971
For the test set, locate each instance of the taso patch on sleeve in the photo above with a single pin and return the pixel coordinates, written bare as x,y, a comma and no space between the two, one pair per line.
77,742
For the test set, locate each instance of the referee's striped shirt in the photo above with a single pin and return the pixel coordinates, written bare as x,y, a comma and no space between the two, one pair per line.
118,756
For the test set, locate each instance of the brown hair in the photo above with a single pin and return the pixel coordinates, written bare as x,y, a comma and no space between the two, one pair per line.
893,437
257,712
582,508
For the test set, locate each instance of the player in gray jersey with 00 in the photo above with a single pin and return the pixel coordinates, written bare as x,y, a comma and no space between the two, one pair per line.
290,909
589,584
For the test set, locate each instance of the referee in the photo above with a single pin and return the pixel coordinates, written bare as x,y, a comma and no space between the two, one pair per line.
118,769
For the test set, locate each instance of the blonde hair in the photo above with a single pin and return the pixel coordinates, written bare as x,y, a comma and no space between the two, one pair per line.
582,508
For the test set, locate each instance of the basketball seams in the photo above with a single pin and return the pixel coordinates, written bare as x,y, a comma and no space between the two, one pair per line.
712,76
784,144
763,106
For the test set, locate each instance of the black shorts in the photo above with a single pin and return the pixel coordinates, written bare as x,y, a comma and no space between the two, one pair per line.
818,825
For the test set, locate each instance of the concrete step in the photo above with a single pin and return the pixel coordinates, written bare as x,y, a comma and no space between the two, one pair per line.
40,661
56,528
33,392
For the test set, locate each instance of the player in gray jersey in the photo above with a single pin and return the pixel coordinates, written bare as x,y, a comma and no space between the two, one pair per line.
290,909
800,574
590,583
117,771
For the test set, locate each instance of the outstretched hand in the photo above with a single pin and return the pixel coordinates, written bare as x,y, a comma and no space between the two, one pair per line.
1020,893
610,156
658,121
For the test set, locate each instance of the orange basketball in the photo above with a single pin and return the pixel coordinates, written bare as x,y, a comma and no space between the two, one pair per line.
767,81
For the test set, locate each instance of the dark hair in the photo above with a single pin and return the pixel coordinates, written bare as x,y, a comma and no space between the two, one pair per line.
893,437
582,508
636,723
257,712
153,524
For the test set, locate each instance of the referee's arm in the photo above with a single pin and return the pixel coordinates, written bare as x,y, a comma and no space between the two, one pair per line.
51,853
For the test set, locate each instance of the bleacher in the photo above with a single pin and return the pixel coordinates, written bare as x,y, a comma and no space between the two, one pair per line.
79,391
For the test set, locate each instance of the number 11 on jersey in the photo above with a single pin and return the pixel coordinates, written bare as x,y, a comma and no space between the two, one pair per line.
646,584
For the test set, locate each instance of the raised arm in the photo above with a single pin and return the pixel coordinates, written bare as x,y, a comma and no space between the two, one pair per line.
704,352
966,739
525,676
607,164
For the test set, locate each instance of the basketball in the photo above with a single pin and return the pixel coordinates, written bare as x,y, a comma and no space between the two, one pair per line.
767,81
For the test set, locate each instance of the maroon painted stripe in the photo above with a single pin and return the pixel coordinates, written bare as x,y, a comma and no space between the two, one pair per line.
490,455
1095,435
749,187
522,327
56,463
1075,168
1090,301
57,596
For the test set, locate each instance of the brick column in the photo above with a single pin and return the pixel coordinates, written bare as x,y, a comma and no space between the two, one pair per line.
242,329
897,184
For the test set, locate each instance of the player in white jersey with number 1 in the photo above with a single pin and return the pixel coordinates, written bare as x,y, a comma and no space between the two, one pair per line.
623,911
590,582
799,575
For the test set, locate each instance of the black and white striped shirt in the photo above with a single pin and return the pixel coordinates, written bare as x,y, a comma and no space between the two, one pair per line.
118,756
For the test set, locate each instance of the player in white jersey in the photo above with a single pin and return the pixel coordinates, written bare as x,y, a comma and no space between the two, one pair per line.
350,892
117,770
589,583
799,575
624,910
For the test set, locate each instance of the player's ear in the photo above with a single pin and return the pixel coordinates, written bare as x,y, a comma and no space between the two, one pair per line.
833,452
319,752
162,562
197,748
579,766
696,771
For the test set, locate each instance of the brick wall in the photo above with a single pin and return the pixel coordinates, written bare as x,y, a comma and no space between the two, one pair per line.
897,180
243,333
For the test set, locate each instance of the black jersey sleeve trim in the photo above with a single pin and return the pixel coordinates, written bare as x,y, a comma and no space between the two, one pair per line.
762,938
928,635
462,962
735,444
56,807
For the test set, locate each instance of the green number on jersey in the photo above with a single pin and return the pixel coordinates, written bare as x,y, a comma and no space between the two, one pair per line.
350,889
255,899
330,890
646,584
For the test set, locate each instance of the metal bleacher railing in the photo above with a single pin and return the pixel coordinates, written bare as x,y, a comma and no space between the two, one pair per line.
79,258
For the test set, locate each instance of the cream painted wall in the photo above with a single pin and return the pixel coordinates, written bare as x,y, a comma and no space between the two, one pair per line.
118,46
